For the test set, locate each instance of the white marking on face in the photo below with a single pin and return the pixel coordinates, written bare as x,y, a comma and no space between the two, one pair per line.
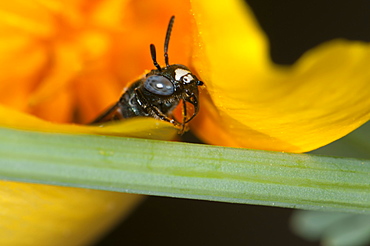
187,78
180,72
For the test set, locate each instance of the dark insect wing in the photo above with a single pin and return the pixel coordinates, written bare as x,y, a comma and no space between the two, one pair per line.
113,113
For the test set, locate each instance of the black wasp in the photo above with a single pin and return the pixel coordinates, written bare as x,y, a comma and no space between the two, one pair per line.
158,93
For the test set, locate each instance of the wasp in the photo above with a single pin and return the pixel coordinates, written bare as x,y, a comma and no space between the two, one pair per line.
159,92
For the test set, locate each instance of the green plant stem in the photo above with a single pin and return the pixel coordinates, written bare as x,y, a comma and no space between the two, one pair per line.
186,170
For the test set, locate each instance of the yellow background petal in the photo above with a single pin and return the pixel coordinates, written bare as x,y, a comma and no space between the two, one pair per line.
255,104
34,214
77,56
62,58
143,127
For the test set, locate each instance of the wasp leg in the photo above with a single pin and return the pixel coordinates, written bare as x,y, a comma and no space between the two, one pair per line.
184,116
154,111
194,102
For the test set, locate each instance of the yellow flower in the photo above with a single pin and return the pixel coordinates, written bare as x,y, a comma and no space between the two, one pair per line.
66,61
254,103
63,62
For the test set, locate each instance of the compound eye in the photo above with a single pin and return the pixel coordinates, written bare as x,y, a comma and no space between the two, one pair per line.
159,85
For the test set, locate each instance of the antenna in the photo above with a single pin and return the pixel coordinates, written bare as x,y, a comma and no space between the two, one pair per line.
154,57
167,40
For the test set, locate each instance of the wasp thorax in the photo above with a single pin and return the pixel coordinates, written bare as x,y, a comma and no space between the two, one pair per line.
159,85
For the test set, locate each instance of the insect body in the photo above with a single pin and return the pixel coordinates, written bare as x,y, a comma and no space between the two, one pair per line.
158,93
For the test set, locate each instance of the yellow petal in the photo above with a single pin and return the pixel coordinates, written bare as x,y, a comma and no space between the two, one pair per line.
60,58
255,104
34,214
141,127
